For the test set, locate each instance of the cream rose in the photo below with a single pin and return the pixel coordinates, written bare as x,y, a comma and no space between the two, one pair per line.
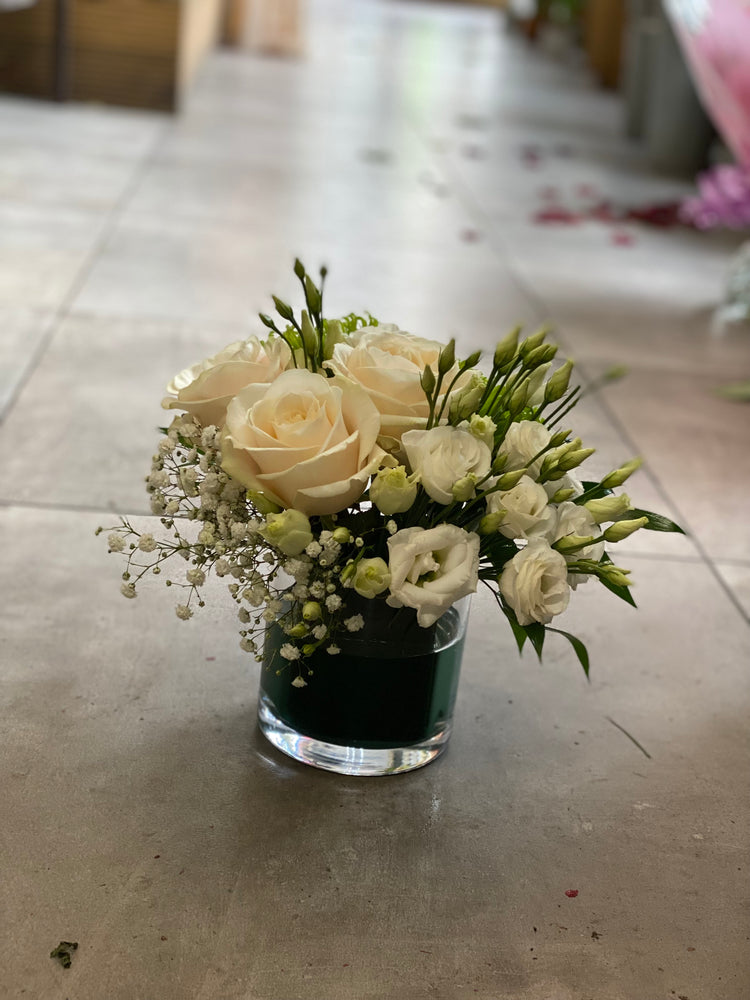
205,389
523,440
431,569
534,583
526,513
388,363
305,441
442,456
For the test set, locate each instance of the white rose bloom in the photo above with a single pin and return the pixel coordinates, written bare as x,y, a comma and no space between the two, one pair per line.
444,455
431,569
526,511
523,440
306,441
388,363
575,519
205,389
534,583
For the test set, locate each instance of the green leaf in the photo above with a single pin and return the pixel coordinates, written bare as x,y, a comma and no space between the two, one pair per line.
580,650
535,633
656,522
622,592
64,952
519,633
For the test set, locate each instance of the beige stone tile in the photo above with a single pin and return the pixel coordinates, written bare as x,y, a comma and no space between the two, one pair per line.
41,252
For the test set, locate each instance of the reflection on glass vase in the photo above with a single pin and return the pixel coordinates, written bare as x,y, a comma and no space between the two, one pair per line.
383,705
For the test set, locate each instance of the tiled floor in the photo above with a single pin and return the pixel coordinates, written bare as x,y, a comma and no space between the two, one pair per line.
143,815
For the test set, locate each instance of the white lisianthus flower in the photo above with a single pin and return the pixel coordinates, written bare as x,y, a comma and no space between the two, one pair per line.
534,583
388,363
481,427
431,569
575,519
306,441
526,512
523,440
444,455
205,389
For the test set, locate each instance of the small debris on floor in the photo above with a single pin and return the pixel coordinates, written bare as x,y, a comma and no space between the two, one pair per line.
571,893
64,953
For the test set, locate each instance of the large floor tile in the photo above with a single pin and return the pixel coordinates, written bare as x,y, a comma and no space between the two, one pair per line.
170,829
42,252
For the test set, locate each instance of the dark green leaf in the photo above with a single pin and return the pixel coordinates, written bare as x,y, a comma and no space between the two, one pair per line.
622,592
64,952
656,522
578,646
535,633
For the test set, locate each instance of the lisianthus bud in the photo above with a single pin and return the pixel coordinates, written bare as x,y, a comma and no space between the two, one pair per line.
531,343
557,385
261,503
342,535
608,508
562,495
482,428
427,380
333,335
371,577
283,309
615,575
393,491
309,335
311,611
621,529
519,397
572,459
297,631
288,531
540,355
312,294
572,543
490,523
463,489
510,479
465,401
618,476
447,357
506,350
535,392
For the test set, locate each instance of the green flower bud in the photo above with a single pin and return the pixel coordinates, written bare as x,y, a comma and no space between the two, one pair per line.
562,495
312,295
506,350
342,535
427,380
311,611
393,491
560,438
557,385
299,268
472,360
372,577
510,479
348,572
463,489
483,428
289,531
297,631
540,355
608,508
572,543
261,503
267,321
519,397
572,459
490,523
618,476
309,335
621,529
464,401
615,575
307,650
333,335
447,357
501,460
283,309
531,343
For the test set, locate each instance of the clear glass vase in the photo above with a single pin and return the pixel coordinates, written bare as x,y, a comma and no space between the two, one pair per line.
383,705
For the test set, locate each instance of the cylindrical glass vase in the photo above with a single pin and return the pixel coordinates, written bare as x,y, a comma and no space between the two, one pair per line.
383,705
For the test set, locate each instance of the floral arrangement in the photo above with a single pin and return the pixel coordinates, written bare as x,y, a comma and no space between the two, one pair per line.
340,457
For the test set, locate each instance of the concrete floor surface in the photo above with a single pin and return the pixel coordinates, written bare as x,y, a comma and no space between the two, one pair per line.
144,816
